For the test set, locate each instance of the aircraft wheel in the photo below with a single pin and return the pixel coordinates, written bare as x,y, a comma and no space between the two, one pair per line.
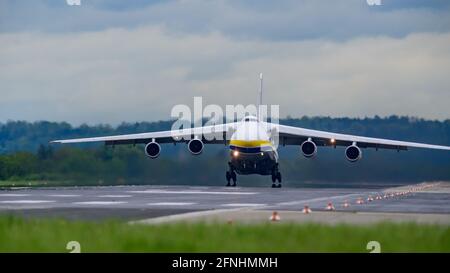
274,185
234,178
228,176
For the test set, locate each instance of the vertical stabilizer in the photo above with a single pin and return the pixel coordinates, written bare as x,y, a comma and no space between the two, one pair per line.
260,95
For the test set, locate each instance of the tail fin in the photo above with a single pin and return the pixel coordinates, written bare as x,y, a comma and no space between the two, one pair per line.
260,95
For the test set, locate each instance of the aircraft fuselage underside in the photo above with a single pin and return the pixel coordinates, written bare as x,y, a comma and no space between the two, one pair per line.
262,163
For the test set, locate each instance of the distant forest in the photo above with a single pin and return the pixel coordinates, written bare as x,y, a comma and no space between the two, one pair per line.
25,155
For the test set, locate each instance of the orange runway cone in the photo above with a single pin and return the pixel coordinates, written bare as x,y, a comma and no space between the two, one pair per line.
330,207
275,217
346,204
306,209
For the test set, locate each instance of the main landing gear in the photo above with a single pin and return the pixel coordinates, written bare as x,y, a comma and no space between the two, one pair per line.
276,176
231,175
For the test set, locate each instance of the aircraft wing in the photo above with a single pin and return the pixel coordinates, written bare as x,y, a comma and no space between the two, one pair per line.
212,134
289,135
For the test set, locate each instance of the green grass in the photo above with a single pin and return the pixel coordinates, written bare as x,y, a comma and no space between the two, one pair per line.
51,235
49,183
26,183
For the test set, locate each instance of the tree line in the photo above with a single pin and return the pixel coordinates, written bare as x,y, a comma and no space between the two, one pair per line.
26,155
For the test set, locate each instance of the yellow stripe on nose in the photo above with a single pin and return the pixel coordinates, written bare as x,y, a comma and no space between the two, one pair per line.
250,143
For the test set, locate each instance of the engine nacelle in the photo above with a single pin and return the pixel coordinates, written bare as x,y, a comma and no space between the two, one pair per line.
309,148
353,153
152,149
195,146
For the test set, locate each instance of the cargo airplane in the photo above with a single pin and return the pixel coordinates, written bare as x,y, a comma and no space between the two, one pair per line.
252,143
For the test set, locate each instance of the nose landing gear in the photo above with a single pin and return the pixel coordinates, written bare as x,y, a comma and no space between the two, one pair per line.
231,175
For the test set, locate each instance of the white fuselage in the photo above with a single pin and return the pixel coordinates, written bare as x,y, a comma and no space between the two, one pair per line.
251,148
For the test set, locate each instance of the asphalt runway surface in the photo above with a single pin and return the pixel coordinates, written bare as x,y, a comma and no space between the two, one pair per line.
144,202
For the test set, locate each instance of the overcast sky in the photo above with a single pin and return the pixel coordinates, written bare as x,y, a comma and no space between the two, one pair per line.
112,60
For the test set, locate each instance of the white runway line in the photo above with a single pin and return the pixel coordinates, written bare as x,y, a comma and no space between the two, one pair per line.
171,204
115,196
64,195
194,192
27,201
182,216
328,198
100,203
13,195
243,205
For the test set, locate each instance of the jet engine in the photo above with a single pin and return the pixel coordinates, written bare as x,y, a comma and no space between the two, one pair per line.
353,153
309,148
195,146
152,149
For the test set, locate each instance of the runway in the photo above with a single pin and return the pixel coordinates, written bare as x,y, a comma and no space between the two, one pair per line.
143,202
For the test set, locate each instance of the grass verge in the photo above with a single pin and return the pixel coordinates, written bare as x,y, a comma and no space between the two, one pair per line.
52,235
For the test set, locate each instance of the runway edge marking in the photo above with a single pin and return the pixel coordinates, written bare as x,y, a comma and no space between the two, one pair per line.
182,216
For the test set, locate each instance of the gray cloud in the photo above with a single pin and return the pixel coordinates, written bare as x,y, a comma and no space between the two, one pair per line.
139,74
264,20
114,60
